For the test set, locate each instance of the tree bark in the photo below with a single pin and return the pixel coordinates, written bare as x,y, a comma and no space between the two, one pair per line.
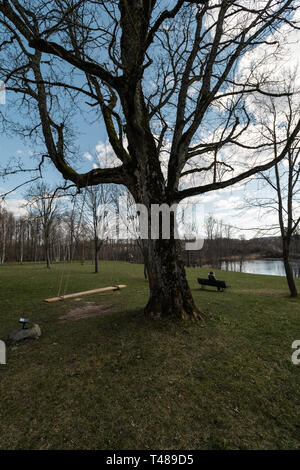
170,295
288,269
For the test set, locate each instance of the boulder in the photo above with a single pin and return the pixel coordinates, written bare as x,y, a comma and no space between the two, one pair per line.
32,331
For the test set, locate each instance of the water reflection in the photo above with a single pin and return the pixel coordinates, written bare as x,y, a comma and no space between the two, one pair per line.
260,266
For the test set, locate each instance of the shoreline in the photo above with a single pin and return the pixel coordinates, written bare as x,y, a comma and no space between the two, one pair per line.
258,258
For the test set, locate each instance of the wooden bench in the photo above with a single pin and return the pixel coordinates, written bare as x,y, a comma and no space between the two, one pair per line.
220,285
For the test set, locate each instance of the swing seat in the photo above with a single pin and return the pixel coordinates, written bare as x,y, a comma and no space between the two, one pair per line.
87,292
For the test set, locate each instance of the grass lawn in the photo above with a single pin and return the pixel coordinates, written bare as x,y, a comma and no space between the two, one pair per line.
120,381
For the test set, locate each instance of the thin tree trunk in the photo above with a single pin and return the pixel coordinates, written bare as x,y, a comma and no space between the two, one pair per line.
47,255
82,254
21,250
288,269
145,271
144,250
143,247
3,244
96,255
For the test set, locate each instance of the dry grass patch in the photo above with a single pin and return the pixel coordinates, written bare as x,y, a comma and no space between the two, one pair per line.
87,310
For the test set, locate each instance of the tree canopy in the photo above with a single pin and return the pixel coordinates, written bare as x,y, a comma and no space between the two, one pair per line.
165,78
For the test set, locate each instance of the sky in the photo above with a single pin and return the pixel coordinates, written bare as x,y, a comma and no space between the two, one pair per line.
225,205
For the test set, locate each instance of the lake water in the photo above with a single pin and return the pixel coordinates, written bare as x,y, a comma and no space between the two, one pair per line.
261,266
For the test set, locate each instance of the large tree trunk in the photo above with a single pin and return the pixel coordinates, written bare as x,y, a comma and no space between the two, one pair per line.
288,269
170,295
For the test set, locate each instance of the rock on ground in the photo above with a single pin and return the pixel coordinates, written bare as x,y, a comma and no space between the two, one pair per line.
33,331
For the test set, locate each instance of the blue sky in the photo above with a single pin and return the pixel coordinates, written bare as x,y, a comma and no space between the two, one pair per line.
14,147
222,204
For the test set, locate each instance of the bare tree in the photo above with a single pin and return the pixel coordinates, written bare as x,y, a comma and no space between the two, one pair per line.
210,229
281,185
72,222
166,81
132,222
43,205
97,215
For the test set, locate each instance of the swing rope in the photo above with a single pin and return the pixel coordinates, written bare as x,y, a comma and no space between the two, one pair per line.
66,284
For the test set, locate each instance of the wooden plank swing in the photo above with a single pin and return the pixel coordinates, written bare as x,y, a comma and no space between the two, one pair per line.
87,292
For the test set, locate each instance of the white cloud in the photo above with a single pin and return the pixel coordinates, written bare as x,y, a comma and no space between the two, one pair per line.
15,206
106,155
231,202
209,197
88,156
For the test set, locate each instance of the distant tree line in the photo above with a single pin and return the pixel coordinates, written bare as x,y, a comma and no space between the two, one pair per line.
61,232
22,239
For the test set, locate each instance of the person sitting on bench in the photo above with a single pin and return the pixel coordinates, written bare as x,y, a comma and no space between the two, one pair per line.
212,281
212,277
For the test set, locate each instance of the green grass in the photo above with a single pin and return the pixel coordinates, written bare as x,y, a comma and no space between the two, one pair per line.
120,381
